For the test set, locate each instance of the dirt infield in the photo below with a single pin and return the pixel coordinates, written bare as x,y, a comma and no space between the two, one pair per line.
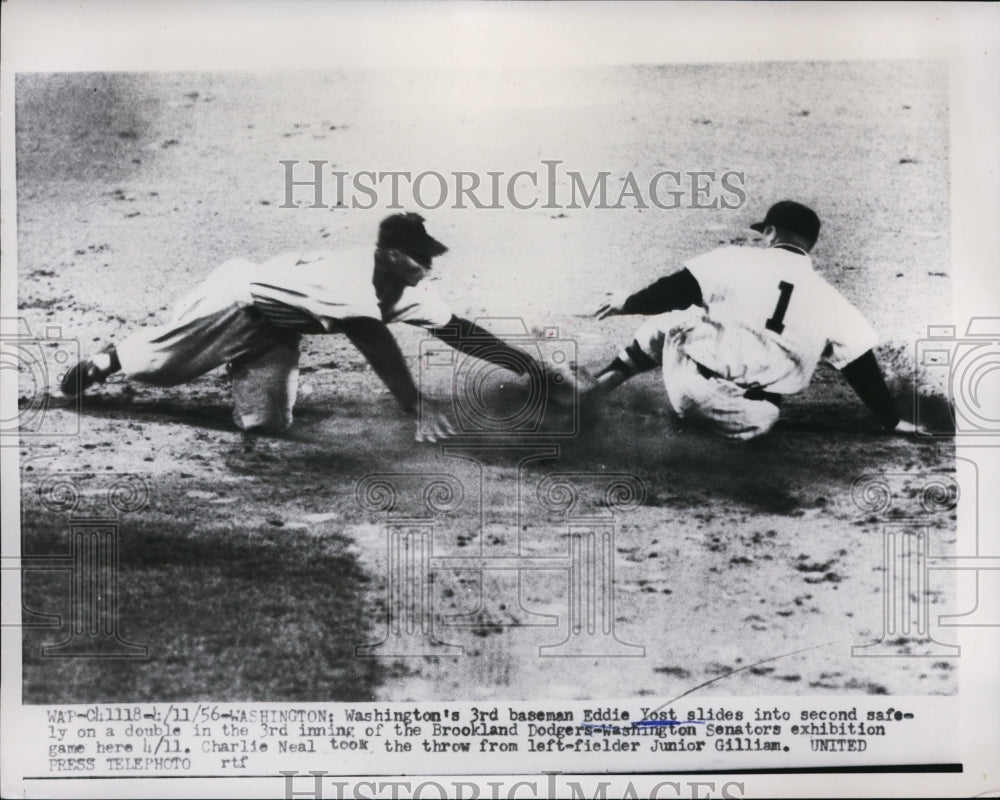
254,571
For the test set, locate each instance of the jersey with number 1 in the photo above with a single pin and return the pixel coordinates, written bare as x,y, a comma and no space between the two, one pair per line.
770,319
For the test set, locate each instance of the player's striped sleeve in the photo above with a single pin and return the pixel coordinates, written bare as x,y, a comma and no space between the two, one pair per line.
282,313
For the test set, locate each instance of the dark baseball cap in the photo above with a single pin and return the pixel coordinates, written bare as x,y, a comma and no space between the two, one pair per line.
793,217
406,232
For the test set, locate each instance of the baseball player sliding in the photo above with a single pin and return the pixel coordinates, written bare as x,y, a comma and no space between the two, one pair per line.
251,317
739,328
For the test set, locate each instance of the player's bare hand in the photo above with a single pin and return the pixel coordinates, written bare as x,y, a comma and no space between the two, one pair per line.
907,428
613,305
434,424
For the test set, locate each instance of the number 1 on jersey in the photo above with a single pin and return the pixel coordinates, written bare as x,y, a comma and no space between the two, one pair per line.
777,321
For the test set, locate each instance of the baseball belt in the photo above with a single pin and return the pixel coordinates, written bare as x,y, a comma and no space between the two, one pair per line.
754,393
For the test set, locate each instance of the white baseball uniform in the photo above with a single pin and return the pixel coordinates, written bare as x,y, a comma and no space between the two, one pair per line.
251,316
766,321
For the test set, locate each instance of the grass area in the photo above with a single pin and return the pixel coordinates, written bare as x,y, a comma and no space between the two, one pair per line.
229,614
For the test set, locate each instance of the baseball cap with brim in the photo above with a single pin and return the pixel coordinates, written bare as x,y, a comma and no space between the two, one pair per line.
793,217
406,232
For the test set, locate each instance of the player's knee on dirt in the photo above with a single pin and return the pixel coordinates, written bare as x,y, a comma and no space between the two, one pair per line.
740,421
743,431
264,389
272,422
719,405
260,411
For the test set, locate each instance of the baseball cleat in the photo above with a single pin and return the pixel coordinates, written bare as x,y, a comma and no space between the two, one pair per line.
84,374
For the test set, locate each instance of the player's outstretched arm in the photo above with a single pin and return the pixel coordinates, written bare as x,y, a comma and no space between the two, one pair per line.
613,305
865,377
471,339
671,293
563,380
378,345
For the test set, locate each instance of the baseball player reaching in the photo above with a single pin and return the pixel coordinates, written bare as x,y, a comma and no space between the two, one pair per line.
251,317
739,328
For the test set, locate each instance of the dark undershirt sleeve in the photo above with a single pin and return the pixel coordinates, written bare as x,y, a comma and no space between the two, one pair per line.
377,344
865,377
469,338
671,293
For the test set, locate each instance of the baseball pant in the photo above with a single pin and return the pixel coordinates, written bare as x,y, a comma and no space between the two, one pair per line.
720,404
216,325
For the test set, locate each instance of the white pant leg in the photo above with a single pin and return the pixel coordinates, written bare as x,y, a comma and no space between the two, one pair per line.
646,348
264,388
718,403
210,327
